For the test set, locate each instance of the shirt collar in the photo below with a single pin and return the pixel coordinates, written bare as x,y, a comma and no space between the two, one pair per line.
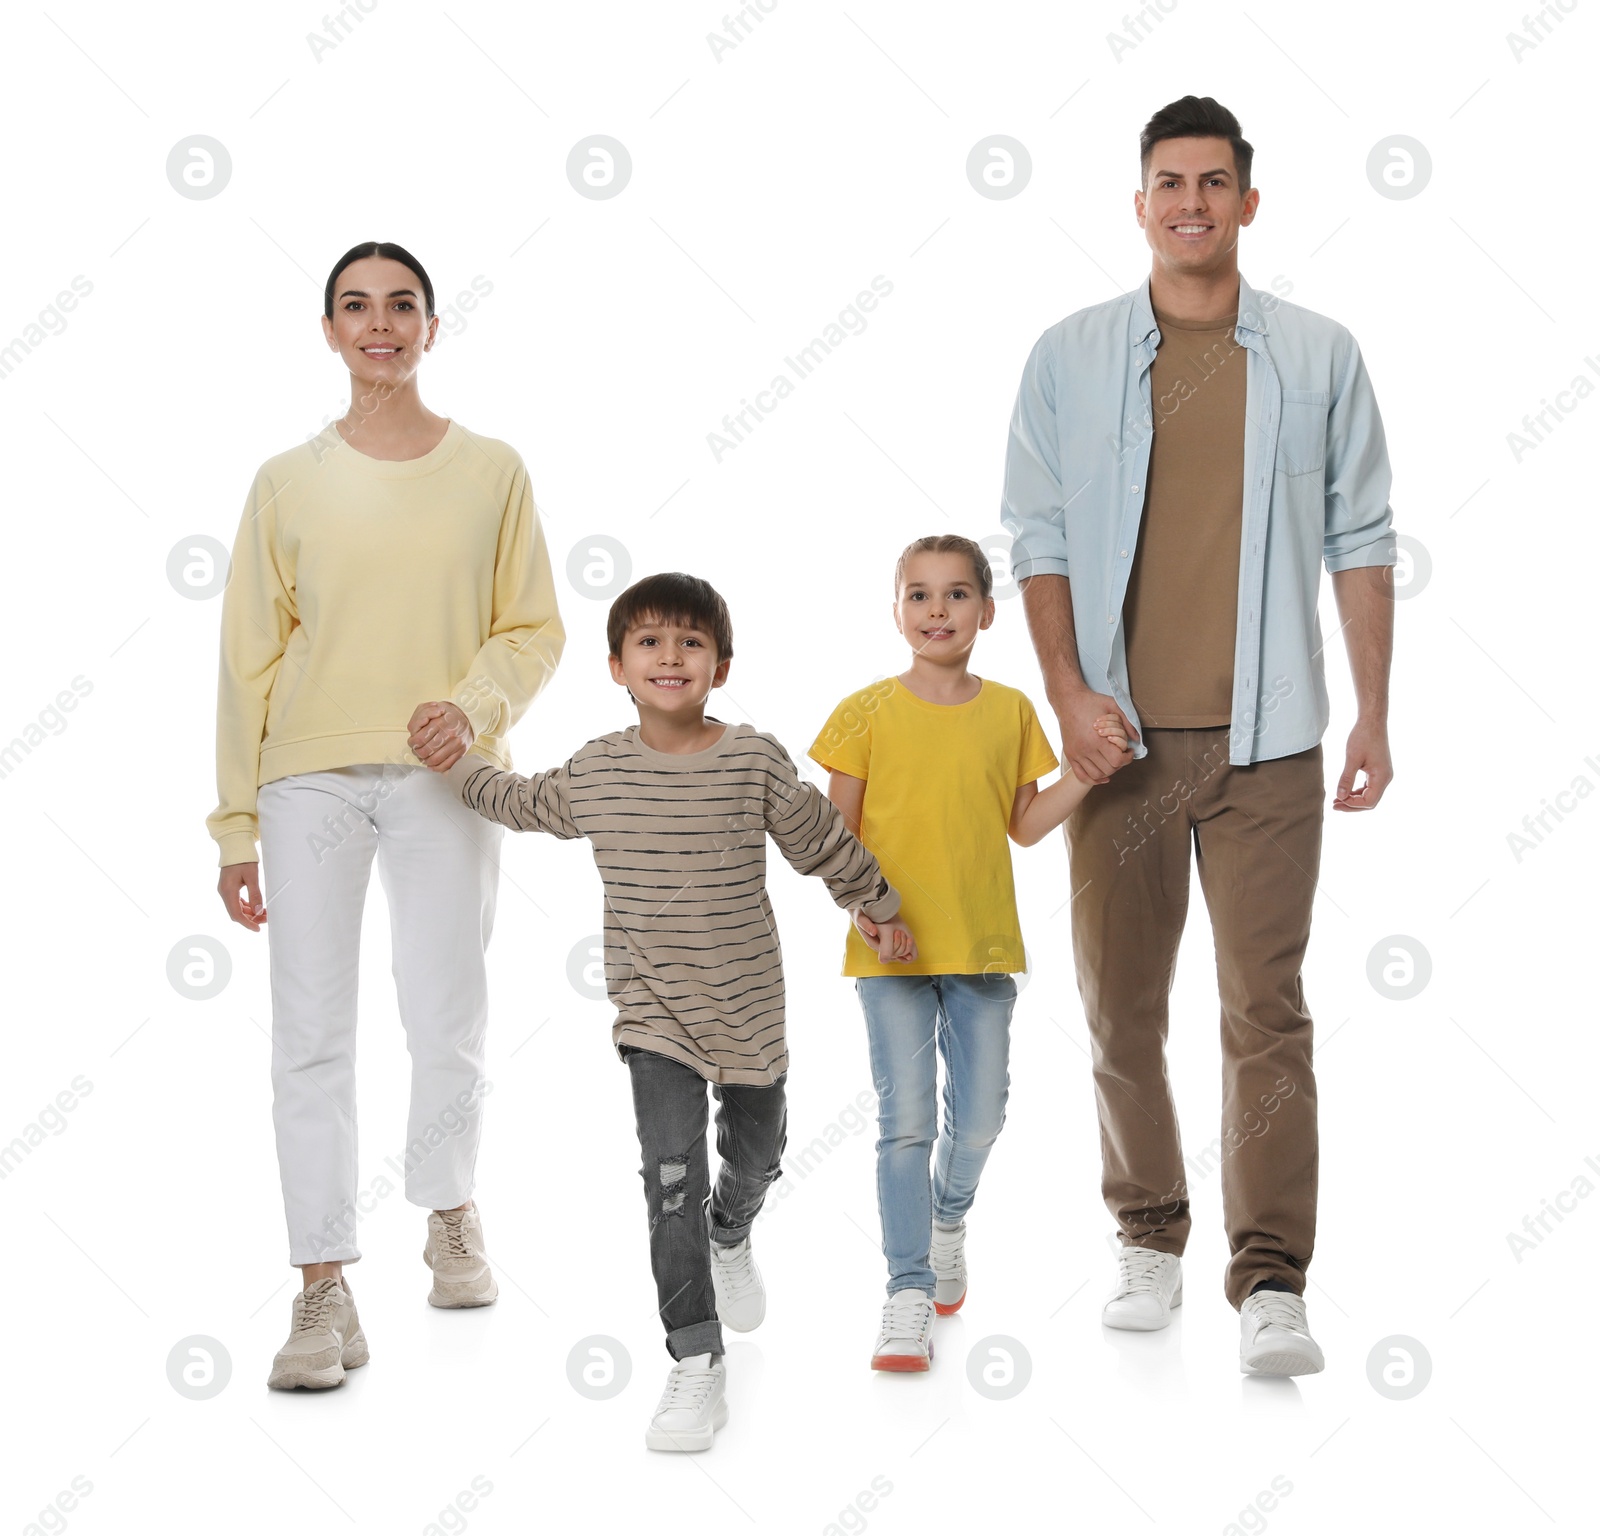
1142,316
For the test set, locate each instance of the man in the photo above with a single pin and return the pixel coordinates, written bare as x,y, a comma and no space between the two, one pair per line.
1181,460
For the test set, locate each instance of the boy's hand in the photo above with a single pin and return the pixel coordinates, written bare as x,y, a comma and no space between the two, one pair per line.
891,938
440,734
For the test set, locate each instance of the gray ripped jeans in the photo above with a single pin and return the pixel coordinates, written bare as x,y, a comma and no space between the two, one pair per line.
686,1213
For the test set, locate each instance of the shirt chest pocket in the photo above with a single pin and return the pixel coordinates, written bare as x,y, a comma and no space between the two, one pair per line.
1303,431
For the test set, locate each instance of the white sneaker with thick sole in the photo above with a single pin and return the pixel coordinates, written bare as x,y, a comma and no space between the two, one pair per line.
693,1407
325,1338
905,1337
948,1256
1274,1337
741,1297
1149,1286
454,1252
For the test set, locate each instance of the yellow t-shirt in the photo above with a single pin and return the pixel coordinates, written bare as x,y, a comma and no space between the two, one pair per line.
941,781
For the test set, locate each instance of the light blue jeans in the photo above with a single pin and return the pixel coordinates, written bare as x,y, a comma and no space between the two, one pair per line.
969,1018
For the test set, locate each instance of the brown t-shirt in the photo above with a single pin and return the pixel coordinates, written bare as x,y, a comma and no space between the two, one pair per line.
1182,606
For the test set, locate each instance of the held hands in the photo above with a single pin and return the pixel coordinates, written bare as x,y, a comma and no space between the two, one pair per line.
891,938
440,735
1093,753
1109,727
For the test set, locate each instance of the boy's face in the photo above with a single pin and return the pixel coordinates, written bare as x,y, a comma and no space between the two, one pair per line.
1192,208
669,668
940,609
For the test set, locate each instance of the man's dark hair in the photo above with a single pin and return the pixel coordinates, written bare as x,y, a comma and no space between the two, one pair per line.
1196,117
671,597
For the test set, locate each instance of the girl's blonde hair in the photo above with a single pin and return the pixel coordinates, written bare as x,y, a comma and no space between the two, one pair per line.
948,544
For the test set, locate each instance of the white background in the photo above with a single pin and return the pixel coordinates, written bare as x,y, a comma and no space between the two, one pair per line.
768,188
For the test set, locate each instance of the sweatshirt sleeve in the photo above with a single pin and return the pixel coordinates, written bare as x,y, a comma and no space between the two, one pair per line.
812,834
258,616
535,802
526,635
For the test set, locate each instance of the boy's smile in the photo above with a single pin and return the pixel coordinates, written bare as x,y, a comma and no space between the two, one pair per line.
670,670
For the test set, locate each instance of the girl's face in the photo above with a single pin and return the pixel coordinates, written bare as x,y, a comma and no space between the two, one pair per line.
941,608
379,324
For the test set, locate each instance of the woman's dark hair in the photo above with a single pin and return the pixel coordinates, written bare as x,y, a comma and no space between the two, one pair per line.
385,248
1195,117
671,597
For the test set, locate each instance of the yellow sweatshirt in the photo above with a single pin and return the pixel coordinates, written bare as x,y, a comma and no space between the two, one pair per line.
361,588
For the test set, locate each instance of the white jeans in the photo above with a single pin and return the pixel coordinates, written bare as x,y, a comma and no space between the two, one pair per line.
440,867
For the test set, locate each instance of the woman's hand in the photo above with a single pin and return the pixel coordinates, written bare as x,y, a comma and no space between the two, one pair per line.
440,735
240,889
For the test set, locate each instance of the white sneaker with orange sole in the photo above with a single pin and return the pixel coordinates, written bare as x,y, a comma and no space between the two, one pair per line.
948,1255
905,1338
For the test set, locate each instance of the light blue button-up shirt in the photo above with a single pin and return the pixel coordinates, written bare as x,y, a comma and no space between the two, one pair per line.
1316,492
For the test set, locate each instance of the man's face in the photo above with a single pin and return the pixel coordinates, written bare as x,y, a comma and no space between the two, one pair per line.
1192,208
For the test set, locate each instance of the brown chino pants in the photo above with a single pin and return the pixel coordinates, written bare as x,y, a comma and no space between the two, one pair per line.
1257,838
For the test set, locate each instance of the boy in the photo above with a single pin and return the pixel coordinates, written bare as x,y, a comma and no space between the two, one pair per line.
677,809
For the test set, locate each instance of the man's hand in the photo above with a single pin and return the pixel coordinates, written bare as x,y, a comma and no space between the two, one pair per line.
440,734
891,938
1094,755
239,886
1366,752
1110,727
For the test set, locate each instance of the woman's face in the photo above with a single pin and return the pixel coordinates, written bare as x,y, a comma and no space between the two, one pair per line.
379,325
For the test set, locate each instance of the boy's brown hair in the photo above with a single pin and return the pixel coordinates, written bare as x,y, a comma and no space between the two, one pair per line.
947,544
671,597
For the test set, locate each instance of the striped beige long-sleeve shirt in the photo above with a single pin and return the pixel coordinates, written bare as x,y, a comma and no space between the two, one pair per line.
692,958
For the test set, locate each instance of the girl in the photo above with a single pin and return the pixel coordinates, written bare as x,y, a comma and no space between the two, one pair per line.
932,769
394,557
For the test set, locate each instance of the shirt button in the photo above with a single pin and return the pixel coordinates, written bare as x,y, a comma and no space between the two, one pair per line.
1123,553
1136,488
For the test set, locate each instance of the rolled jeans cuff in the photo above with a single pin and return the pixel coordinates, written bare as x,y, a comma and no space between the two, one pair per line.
696,1339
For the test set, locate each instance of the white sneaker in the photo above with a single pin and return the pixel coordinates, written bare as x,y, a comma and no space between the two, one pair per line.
325,1338
454,1252
692,1409
948,1255
741,1297
1274,1337
1149,1286
905,1339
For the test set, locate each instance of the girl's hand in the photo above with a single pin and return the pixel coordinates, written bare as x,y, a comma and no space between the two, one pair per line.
1110,727
440,734
240,890
891,939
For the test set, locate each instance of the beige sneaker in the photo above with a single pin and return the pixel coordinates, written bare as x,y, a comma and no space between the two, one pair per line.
454,1252
325,1338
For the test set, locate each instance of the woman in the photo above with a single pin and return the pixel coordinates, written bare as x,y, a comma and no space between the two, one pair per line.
393,558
